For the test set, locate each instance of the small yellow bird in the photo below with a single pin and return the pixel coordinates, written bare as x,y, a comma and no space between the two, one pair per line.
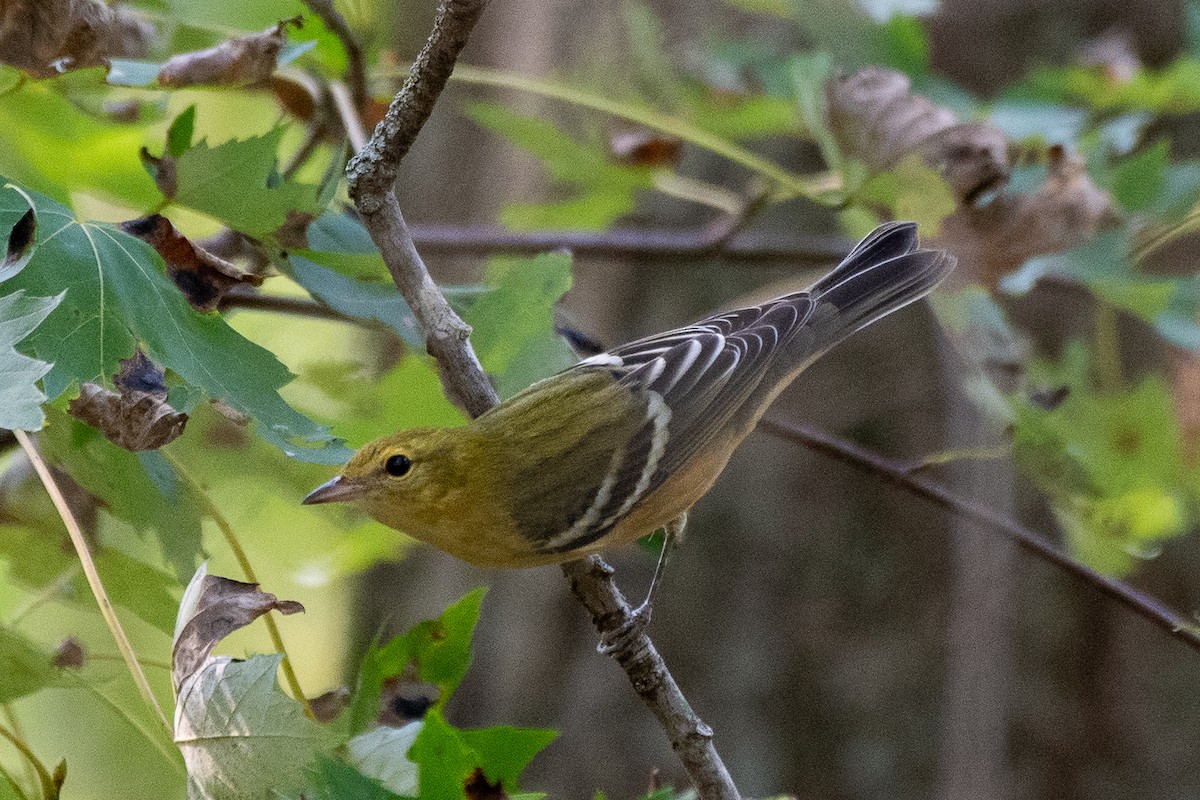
623,443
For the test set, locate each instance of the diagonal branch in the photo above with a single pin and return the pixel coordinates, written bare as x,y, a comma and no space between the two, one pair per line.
371,175
902,475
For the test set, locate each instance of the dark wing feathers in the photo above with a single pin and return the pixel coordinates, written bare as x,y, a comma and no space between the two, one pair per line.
696,380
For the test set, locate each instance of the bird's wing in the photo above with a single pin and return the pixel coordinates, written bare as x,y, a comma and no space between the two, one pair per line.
691,382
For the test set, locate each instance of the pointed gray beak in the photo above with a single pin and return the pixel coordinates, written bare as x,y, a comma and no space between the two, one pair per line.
337,490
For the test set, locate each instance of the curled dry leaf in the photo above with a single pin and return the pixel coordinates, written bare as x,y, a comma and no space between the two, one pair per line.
201,276
136,418
329,706
44,37
1065,211
69,654
214,607
241,61
878,121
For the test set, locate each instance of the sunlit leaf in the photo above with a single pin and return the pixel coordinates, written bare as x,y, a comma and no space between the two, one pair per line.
25,666
20,398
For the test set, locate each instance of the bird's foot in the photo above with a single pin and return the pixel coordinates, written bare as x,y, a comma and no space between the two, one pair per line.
615,641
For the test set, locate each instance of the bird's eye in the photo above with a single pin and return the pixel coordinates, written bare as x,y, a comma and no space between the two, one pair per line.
397,466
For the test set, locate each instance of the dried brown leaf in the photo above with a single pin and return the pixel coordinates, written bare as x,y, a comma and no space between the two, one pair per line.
44,37
240,61
135,421
478,787
69,654
1065,211
202,277
221,607
878,121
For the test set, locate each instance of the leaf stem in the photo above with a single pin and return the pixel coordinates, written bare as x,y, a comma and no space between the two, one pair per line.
795,185
49,789
93,577
10,716
235,546
1108,349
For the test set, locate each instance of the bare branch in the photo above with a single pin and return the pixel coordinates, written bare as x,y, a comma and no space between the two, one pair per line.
749,246
901,475
356,69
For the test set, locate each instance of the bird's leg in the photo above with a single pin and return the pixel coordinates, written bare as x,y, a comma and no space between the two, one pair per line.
639,618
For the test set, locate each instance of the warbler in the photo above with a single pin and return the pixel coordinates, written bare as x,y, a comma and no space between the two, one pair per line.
625,442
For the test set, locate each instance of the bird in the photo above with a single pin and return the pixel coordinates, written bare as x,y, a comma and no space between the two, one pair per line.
623,443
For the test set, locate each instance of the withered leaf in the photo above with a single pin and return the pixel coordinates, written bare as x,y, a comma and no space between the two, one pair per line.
140,374
44,37
877,120
135,421
1065,211
69,654
202,277
20,245
478,787
240,61
218,607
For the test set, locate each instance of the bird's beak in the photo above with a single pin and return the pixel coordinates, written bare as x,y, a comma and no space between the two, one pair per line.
337,490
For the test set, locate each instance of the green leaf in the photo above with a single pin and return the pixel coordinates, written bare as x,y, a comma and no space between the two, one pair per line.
603,190
1137,181
504,751
240,735
446,757
521,348
440,650
179,135
25,666
119,479
914,191
382,754
236,183
330,779
20,399
357,298
118,297
809,74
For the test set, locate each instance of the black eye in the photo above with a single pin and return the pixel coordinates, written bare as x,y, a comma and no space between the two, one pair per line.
397,466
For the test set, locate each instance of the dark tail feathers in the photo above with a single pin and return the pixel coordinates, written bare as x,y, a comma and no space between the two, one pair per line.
884,272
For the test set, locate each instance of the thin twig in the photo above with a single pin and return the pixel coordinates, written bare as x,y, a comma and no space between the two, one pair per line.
296,306
900,475
93,577
235,546
356,67
371,175
49,789
351,119
750,247
14,725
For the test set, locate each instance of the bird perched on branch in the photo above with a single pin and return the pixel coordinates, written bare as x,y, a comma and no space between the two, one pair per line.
625,442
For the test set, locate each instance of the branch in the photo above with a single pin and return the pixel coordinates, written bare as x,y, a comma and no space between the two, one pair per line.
901,475
371,175
749,246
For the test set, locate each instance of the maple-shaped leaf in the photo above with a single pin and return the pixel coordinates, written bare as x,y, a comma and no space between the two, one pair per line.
237,183
20,399
240,735
119,297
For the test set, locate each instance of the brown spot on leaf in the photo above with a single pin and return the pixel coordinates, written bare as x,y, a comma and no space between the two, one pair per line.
404,701
69,654
641,148
201,276
329,706
45,37
478,787
221,607
240,61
